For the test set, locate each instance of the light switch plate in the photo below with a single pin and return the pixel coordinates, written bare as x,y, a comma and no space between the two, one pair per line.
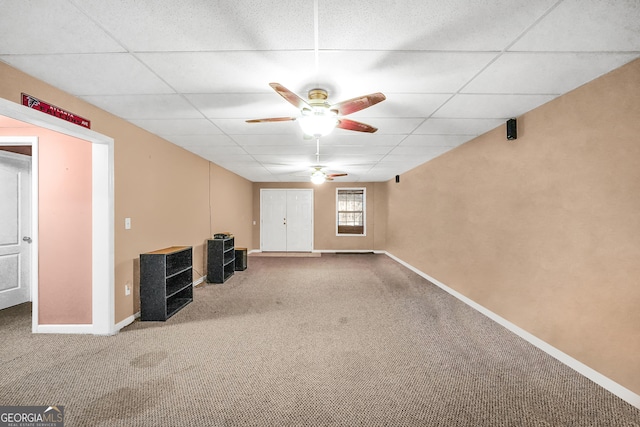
127,223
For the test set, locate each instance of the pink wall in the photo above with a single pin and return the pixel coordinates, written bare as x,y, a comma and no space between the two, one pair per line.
65,231
65,176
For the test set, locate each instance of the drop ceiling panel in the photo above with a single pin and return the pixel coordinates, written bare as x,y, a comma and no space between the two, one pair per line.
576,25
491,106
280,149
271,140
166,127
549,73
462,126
419,151
402,105
91,74
240,127
232,72
400,71
188,141
193,71
228,159
359,139
435,140
426,24
243,106
338,150
285,159
50,27
195,25
131,107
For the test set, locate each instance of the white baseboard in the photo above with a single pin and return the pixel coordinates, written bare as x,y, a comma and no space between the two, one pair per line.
347,251
64,329
125,322
603,381
200,280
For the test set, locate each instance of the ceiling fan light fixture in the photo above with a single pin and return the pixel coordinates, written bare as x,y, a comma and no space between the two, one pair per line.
318,177
318,122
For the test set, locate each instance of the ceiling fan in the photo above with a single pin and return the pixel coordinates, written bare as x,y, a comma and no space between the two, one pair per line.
318,176
318,117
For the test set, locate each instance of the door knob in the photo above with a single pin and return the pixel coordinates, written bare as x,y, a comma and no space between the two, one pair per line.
27,239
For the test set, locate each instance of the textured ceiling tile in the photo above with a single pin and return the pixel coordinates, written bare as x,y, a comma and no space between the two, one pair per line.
462,126
359,139
491,106
403,105
450,69
578,25
145,106
167,127
92,74
425,24
271,140
243,106
240,127
188,141
50,27
402,72
194,25
550,73
418,150
231,72
435,140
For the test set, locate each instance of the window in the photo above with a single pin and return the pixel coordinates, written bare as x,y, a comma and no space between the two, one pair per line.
350,211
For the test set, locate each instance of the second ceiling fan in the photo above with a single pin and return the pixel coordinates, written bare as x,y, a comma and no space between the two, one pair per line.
318,117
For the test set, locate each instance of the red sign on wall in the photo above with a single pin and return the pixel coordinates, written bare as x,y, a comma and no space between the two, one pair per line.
52,110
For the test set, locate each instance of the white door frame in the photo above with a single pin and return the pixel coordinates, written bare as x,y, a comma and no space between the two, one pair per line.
103,271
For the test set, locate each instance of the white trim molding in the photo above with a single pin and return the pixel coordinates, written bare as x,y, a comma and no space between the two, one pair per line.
103,208
603,381
64,329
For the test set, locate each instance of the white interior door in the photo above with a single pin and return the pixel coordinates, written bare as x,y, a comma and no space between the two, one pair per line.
15,229
286,220
299,220
273,220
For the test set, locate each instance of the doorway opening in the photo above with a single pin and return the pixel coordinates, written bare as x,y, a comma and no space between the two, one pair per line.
16,230
102,224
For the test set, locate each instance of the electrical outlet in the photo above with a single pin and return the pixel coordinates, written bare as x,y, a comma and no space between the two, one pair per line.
127,289
127,223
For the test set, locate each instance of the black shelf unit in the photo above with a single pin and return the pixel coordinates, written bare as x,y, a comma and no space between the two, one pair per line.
221,259
166,282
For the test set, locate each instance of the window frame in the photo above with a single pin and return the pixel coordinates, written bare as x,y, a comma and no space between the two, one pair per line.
364,211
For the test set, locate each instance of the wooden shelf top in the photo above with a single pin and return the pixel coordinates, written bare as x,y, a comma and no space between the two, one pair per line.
169,250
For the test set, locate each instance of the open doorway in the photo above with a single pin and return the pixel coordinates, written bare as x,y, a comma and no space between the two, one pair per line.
15,220
100,157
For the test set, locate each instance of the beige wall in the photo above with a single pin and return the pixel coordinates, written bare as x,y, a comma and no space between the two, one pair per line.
232,205
163,189
324,215
543,230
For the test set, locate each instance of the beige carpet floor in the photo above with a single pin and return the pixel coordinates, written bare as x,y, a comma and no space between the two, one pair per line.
336,340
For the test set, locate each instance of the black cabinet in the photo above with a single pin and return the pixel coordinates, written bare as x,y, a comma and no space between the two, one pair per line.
221,259
166,282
